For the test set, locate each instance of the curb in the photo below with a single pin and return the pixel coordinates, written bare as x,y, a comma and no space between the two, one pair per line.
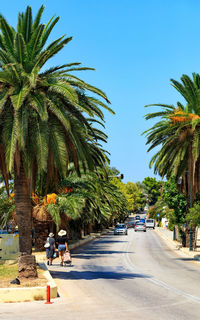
30,293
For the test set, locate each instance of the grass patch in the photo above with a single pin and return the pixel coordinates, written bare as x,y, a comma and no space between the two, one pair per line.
10,272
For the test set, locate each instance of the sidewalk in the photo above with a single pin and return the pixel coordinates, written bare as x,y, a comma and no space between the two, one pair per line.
22,294
41,256
167,235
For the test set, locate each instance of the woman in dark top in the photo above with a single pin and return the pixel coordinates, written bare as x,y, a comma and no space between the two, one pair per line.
62,244
51,249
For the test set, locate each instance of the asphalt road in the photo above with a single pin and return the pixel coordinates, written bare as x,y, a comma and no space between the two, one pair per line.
115,277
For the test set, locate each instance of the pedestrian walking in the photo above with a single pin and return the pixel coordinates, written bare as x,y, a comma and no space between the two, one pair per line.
50,246
62,244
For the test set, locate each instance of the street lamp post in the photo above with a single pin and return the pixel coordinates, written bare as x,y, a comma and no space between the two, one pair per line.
31,190
191,231
191,238
174,233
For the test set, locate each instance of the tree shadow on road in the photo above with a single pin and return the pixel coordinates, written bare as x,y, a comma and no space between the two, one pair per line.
185,259
113,241
93,275
94,254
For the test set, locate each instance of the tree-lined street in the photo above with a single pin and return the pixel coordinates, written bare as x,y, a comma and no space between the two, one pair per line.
58,178
121,276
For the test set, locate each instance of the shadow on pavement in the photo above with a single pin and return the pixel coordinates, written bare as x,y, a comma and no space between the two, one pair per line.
94,254
93,275
113,241
185,259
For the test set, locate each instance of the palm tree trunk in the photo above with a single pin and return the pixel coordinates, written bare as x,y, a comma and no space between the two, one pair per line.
26,263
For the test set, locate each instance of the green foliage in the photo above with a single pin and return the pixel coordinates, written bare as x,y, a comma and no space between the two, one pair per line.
43,113
152,189
7,206
53,209
176,201
164,211
132,192
8,272
170,213
176,133
113,171
170,204
193,216
92,199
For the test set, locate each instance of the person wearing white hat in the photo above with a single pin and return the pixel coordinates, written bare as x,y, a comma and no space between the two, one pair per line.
62,244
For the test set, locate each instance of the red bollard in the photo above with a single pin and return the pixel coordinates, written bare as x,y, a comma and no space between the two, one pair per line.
48,296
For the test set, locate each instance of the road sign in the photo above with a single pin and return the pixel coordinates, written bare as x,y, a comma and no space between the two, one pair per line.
158,214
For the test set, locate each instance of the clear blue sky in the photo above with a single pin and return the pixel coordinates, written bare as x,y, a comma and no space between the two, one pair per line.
136,47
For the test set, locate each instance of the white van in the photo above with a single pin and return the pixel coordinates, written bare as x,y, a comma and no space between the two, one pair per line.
150,223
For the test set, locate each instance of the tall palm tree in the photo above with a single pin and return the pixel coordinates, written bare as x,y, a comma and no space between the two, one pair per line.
177,135
40,112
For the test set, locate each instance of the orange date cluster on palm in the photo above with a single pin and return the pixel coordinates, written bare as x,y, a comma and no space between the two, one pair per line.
181,116
50,198
12,196
35,198
65,190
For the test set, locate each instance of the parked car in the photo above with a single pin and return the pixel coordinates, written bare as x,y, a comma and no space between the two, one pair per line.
150,223
140,226
120,228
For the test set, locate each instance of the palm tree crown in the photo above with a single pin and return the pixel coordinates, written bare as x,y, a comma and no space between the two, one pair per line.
38,109
177,134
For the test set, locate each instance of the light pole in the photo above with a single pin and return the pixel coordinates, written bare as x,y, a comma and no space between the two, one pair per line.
174,233
191,231
31,190
191,237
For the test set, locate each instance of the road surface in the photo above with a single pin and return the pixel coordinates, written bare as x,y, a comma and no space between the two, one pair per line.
115,277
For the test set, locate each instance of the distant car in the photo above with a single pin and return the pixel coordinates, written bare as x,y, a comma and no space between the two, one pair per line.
142,220
137,218
120,228
140,226
130,224
150,223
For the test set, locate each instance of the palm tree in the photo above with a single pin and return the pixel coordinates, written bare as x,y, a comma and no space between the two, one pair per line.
177,135
40,112
93,199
